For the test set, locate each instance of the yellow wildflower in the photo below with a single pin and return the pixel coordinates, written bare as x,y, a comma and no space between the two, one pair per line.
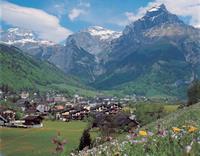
143,133
176,129
192,129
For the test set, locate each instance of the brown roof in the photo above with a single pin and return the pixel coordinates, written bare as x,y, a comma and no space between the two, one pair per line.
32,117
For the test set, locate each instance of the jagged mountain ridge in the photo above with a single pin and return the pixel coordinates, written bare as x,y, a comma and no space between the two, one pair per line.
150,53
78,56
156,50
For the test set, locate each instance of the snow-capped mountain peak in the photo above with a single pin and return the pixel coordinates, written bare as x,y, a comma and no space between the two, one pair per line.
17,33
157,8
22,36
154,17
103,33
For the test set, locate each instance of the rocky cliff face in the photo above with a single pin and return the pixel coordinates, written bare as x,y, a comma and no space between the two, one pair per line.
156,49
156,54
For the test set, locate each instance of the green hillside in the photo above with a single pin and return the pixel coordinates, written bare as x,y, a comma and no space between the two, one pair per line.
20,71
177,134
151,70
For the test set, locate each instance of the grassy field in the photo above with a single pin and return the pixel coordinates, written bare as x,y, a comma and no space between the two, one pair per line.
170,108
37,142
167,108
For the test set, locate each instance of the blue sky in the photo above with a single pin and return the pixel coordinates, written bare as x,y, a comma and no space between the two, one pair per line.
56,19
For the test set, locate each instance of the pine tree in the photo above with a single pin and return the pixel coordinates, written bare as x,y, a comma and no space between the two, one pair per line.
194,93
85,140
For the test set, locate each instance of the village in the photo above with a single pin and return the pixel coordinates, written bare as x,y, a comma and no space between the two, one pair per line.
28,110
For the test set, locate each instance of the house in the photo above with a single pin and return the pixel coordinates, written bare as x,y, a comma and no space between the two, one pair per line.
33,120
2,120
8,114
42,108
58,108
21,103
60,98
66,116
31,109
119,120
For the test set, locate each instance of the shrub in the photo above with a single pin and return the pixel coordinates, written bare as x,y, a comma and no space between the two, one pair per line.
85,140
19,115
147,113
59,142
194,93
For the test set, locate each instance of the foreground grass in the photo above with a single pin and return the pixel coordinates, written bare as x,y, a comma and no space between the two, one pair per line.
159,138
180,117
37,142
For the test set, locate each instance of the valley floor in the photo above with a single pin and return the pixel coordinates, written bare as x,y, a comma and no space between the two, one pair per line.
38,142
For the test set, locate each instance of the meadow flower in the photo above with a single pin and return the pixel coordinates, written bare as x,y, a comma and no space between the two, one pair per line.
174,136
192,129
128,137
188,149
144,140
150,133
142,133
184,126
176,129
162,133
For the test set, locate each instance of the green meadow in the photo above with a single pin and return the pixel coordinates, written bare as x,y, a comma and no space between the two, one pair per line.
37,141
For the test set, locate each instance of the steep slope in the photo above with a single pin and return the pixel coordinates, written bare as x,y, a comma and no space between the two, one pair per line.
84,52
136,145
21,71
76,61
80,56
95,39
180,117
156,55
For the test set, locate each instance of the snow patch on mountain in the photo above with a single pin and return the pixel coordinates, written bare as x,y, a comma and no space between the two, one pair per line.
157,8
22,36
103,33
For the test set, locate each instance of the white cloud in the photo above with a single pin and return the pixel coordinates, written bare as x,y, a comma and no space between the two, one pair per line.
75,13
187,8
131,16
81,9
45,25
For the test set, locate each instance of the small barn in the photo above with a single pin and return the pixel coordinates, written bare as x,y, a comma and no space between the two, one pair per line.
33,120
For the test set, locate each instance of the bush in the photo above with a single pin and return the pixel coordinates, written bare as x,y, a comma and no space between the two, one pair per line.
194,93
19,115
147,113
85,140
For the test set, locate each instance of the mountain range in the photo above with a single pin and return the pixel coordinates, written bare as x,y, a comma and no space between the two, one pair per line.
156,55
21,71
